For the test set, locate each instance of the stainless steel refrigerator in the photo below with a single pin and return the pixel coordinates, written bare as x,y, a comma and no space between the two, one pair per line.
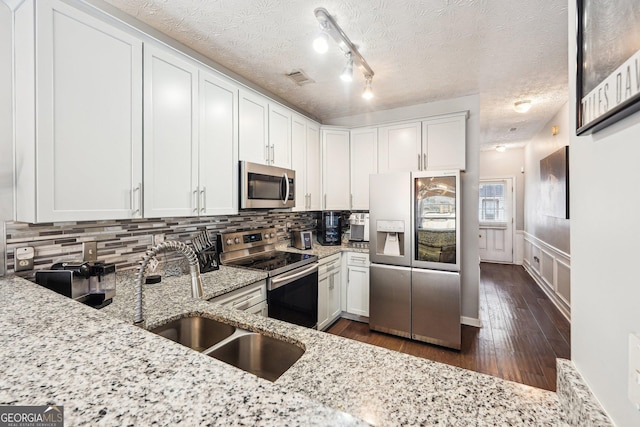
414,232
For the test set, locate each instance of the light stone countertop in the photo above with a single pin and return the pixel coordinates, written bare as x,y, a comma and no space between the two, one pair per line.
90,359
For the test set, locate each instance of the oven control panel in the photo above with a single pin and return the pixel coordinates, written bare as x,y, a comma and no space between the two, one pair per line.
248,239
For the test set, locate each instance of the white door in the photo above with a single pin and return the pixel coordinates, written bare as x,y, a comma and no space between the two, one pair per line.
253,136
364,162
335,170
357,293
170,134
279,136
400,148
496,220
218,148
313,167
299,161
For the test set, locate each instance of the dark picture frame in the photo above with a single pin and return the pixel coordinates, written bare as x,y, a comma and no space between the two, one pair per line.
608,63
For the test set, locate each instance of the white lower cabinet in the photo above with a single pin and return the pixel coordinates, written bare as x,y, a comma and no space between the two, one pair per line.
251,298
329,288
357,284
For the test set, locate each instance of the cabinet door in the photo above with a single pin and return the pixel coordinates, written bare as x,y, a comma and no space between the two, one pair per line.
323,308
89,119
313,167
358,291
218,148
333,298
444,143
399,148
279,136
335,169
364,161
253,118
170,140
299,160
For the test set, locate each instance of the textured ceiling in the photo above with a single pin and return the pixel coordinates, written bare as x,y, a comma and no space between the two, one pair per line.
420,51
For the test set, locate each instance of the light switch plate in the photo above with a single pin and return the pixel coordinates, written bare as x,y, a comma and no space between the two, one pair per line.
24,258
634,370
90,251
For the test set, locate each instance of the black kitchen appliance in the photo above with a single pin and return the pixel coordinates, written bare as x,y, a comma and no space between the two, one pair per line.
330,229
92,283
292,282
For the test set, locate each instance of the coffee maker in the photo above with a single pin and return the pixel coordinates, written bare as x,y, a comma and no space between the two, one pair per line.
330,229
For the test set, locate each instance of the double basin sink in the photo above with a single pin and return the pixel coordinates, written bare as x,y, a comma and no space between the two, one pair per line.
253,352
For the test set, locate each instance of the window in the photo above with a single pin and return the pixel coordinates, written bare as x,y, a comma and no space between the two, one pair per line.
492,202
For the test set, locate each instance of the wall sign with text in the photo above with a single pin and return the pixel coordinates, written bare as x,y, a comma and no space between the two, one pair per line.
608,78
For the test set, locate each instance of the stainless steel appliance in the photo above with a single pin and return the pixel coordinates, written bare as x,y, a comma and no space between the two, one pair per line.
93,283
359,225
292,282
263,186
415,255
330,229
302,239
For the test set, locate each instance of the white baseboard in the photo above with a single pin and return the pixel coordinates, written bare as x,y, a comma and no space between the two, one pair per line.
471,321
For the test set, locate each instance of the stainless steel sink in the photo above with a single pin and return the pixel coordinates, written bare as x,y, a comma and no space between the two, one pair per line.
198,333
259,354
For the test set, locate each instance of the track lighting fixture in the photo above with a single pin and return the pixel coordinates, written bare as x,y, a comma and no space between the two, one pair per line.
347,73
367,93
329,27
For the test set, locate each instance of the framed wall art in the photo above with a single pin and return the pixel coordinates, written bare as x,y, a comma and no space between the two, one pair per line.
608,69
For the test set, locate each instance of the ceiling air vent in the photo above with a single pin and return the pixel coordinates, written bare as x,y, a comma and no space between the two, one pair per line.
299,77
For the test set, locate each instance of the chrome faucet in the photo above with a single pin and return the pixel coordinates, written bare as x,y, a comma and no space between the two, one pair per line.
167,245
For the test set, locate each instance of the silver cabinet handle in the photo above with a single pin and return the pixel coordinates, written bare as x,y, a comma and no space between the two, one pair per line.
273,154
309,201
419,164
424,161
325,201
203,200
266,153
138,208
194,200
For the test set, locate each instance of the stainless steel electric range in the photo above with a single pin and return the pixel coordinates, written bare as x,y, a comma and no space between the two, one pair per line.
292,282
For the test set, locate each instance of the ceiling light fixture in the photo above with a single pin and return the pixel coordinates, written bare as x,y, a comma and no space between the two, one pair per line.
367,93
347,73
331,28
522,106
501,148
321,42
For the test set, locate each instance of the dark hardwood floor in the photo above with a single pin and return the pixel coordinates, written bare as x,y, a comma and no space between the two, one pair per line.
522,334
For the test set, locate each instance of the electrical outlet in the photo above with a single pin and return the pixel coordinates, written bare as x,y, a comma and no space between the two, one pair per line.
24,258
90,251
158,238
634,370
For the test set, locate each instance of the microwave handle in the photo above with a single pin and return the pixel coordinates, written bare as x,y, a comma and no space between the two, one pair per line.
285,178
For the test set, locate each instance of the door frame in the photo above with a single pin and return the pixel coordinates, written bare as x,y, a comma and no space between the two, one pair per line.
514,210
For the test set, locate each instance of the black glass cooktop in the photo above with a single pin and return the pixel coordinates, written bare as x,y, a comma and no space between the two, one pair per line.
275,262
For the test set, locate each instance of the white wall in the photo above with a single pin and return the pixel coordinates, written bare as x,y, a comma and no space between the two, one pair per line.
553,231
494,164
605,232
469,239
6,127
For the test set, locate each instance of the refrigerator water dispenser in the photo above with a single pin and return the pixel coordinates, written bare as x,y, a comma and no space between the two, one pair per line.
390,238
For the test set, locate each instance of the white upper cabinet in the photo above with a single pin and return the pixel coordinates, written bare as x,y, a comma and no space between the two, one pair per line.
79,135
335,169
170,134
305,154
400,148
444,142
364,162
279,136
313,173
218,146
435,143
253,128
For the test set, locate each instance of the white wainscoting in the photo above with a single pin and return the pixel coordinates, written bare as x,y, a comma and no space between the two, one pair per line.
551,269
518,248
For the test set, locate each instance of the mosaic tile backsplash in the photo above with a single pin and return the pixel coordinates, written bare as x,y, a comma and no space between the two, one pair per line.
124,242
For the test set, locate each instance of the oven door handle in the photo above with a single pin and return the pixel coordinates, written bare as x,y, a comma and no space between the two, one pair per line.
291,276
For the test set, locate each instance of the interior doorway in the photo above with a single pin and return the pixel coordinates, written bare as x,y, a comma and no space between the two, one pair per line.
496,215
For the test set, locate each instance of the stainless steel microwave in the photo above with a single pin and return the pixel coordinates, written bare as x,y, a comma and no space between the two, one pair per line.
266,187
